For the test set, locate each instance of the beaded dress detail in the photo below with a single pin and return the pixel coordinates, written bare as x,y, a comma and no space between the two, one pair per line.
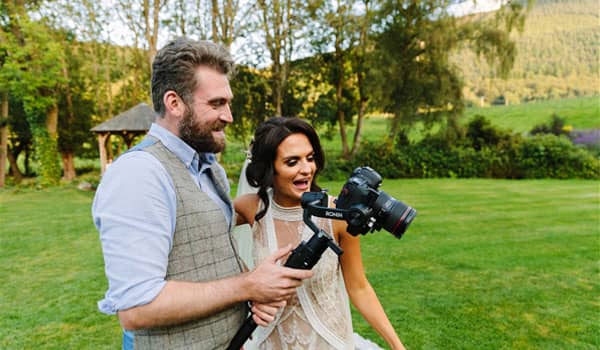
318,316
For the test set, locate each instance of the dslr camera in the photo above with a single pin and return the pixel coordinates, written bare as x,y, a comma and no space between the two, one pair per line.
370,209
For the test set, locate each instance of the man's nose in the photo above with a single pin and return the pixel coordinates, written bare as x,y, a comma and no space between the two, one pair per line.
226,114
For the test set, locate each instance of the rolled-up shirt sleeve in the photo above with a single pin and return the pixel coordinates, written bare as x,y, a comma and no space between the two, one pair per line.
134,211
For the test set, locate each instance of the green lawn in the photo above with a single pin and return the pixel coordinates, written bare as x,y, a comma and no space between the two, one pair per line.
580,113
487,264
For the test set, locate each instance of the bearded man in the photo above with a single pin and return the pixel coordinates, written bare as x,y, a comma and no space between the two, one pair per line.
164,215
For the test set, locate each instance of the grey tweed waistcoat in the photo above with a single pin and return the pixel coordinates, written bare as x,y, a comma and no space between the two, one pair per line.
202,250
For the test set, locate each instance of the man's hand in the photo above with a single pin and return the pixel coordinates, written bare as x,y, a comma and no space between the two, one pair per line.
271,282
263,314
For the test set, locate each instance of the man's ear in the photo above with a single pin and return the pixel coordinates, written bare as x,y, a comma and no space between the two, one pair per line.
173,104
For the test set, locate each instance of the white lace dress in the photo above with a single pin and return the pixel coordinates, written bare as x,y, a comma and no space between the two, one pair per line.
318,317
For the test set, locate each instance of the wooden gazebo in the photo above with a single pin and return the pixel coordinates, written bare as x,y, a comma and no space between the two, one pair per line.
129,124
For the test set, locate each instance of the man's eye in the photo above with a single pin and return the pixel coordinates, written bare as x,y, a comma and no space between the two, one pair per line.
218,103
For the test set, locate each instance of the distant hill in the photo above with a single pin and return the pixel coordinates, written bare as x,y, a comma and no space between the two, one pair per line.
557,57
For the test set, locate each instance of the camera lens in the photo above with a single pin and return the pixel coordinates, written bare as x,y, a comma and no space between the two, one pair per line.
396,215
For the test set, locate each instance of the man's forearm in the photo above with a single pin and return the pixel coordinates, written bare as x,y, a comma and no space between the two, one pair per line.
181,301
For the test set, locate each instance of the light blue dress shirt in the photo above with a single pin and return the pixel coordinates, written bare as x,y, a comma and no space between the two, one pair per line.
134,210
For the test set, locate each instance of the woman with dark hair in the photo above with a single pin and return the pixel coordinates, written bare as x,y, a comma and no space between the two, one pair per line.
286,157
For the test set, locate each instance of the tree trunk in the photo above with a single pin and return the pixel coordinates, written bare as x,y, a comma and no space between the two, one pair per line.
151,22
278,24
109,149
52,121
361,77
359,124
47,149
68,166
15,172
102,137
277,89
107,81
3,138
339,89
342,121
214,20
67,155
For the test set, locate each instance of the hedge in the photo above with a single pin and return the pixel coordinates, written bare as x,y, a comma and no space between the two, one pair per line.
539,156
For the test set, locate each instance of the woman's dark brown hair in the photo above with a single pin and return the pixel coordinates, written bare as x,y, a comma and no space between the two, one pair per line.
268,136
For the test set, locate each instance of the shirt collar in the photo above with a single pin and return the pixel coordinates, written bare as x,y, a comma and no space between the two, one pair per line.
182,150
205,160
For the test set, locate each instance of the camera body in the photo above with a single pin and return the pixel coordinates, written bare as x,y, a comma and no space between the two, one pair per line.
370,209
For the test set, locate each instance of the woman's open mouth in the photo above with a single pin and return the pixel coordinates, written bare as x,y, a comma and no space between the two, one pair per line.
302,184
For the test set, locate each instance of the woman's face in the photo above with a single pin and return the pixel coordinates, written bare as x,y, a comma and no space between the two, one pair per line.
294,170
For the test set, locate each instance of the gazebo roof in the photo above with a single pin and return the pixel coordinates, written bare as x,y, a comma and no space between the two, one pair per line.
136,119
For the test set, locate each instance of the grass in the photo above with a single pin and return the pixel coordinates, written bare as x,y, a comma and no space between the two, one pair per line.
52,273
487,264
580,113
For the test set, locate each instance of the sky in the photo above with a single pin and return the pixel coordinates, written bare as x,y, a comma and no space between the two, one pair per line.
462,8
121,35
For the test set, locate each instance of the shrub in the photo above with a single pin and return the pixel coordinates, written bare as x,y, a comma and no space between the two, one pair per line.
555,126
481,133
551,156
336,168
542,156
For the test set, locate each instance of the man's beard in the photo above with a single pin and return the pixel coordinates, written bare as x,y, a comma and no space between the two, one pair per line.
199,136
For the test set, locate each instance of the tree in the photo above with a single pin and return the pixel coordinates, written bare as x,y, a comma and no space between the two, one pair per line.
226,22
361,68
97,57
345,27
413,44
249,107
20,140
3,107
33,71
90,70
338,29
142,17
3,137
76,109
279,20
7,12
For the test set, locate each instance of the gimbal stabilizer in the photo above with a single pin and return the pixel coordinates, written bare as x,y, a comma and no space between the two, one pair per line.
306,254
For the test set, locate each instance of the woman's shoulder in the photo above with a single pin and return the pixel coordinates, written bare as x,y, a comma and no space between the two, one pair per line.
246,206
247,198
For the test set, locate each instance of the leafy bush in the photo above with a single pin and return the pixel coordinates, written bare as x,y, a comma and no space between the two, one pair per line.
498,155
336,168
555,126
481,133
551,156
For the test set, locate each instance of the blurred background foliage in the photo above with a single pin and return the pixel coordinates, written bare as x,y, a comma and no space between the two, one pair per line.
413,81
